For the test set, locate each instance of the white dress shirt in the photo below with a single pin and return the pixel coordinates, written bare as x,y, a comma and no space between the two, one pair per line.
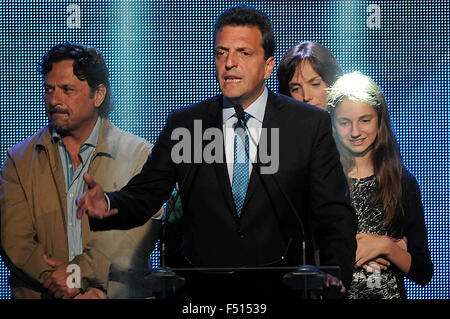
254,124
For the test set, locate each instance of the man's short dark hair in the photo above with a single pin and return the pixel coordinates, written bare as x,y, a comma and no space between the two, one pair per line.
88,65
247,16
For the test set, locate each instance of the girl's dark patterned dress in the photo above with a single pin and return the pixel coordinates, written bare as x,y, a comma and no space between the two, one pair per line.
367,285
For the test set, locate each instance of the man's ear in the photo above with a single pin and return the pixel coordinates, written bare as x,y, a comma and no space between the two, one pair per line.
270,64
99,95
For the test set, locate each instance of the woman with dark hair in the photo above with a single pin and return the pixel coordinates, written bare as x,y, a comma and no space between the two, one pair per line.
392,238
306,71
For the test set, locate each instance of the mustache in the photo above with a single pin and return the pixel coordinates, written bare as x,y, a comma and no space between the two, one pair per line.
52,110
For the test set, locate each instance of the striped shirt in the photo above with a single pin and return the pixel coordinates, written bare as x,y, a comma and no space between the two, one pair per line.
75,184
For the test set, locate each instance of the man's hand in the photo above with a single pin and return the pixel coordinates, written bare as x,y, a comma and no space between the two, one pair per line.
56,283
333,281
93,201
91,293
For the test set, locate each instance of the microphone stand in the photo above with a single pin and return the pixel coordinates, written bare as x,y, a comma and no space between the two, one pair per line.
305,277
164,275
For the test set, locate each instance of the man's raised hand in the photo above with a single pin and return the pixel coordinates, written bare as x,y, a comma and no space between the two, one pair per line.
92,201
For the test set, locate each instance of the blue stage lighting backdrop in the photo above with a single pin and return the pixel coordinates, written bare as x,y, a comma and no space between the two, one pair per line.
160,58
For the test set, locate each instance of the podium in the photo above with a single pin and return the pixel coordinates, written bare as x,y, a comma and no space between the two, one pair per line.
228,283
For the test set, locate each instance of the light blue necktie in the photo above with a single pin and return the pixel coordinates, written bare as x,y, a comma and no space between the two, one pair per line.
240,165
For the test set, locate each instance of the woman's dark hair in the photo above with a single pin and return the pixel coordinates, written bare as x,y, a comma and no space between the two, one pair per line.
386,158
88,65
320,58
247,16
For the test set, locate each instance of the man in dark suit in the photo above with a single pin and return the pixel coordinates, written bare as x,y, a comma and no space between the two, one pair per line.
234,216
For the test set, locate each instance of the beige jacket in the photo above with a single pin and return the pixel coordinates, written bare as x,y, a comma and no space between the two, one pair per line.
34,212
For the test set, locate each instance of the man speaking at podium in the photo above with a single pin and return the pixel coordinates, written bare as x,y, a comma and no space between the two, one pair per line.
233,215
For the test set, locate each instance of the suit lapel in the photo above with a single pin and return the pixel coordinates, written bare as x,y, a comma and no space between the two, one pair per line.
270,121
215,119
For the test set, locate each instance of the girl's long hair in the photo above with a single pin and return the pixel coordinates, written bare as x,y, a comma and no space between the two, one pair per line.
386,158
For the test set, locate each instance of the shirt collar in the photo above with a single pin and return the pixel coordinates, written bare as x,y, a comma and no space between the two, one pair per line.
90,141
256,109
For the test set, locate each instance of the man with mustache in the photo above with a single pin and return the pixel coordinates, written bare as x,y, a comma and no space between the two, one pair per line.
42,176
231,217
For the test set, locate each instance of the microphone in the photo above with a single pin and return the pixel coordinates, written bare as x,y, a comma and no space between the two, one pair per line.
306,276
164,277
240,114
241,117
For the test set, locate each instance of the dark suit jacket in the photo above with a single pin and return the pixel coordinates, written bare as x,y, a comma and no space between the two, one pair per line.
309,174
